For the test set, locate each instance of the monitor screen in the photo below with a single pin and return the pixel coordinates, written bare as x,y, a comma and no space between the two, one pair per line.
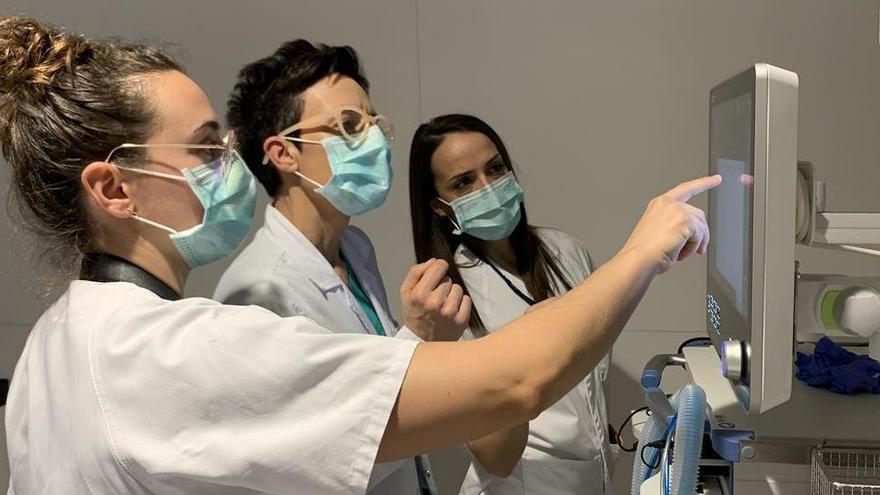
731,154
751,217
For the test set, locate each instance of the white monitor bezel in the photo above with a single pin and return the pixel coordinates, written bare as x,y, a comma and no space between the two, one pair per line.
775,94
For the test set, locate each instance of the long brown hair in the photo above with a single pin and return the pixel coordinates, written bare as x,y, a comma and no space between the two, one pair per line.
432,234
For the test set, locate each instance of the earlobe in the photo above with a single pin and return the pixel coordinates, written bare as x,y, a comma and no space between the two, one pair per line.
439,208
282,154
104,189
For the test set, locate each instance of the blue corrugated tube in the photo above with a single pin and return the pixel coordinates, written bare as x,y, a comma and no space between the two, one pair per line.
688,440
690,406
654,431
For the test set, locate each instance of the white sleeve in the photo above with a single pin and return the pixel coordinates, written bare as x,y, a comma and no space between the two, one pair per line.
210,396
406,333
574,253
574,259
584,258
266,294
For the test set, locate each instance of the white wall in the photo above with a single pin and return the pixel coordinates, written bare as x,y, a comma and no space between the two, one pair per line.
603,105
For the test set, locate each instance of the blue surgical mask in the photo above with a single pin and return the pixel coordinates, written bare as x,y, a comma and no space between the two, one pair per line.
490,213
228,194
361,173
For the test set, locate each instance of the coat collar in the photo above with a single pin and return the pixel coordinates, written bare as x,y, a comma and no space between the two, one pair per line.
301,251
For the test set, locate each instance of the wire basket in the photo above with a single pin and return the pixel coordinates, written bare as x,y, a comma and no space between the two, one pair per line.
845,472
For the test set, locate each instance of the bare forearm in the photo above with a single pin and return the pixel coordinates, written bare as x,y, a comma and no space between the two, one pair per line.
577,331
499,452
455,392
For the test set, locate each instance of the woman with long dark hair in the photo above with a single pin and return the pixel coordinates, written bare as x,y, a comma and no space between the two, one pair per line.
467,209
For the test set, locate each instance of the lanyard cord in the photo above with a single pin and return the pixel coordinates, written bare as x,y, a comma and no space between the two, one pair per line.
519,293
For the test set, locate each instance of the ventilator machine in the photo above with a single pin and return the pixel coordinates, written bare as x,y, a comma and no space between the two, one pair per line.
745,410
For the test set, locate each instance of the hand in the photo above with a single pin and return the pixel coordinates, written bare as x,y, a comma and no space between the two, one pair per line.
434,308
670,230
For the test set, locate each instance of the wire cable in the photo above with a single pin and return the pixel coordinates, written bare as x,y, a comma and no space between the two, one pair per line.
692,341
655,462
619,432
665,473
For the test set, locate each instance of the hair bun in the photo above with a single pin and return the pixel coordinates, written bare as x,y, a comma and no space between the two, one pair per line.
32,54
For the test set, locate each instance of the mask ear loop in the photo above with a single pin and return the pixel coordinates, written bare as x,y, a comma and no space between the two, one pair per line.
298,173
151,223
134,215
457,230
308,180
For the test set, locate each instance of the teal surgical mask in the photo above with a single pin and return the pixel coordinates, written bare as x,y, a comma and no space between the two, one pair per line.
361,172
228,192
490,213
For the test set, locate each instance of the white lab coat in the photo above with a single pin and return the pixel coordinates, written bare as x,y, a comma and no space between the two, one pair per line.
282,271
568,449
120,391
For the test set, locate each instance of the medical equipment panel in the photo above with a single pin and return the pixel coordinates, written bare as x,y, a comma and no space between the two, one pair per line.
751,215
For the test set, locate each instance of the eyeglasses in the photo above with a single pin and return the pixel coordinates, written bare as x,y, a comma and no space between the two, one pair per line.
352,123
219,156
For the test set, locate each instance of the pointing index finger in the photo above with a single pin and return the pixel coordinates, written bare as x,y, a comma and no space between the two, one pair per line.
687,190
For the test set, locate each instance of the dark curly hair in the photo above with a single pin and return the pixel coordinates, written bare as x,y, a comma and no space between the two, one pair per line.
268,96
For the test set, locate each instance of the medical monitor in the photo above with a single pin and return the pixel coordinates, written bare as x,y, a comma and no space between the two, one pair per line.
751,216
